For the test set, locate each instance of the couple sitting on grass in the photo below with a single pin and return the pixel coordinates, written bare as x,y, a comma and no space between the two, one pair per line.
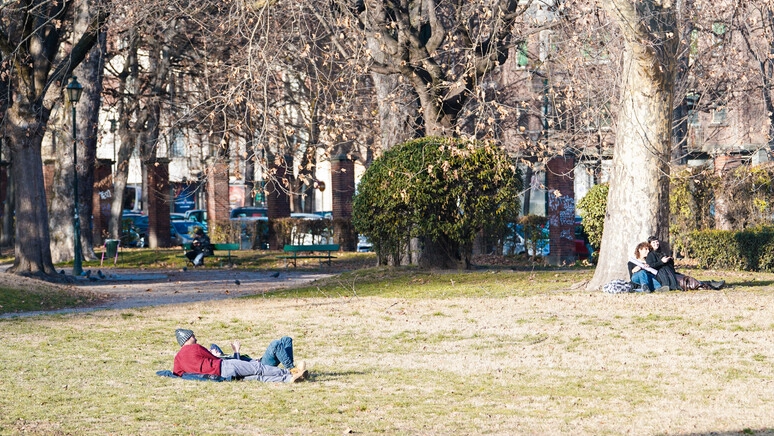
653,271
195,359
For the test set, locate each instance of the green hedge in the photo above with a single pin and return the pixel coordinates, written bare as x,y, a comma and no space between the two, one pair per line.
749,250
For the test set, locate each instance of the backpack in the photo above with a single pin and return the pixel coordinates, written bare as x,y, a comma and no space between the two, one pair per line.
617,286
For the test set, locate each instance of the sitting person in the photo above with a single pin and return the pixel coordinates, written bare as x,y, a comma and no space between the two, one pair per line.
641,273
666,274
200,247
195,359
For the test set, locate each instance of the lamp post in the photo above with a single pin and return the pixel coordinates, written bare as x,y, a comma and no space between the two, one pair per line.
74,91
113,128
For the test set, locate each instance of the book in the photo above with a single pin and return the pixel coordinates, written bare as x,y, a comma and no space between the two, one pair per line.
643,265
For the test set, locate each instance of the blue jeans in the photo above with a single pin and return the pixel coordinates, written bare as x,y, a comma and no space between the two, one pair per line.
279,351
643,277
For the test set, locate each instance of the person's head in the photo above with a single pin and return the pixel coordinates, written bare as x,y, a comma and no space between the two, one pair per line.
199,231
642,250
654,243
185,337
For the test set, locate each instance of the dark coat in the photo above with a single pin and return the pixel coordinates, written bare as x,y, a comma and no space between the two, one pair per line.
666,271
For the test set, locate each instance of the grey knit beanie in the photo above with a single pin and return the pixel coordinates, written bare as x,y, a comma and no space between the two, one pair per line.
183,335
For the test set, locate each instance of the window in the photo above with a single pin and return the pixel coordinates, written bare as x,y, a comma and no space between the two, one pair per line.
718,36
177,148
719,115
523,55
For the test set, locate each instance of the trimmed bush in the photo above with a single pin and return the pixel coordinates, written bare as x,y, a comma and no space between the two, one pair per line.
441,190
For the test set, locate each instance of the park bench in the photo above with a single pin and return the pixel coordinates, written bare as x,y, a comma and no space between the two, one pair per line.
227,247
308,252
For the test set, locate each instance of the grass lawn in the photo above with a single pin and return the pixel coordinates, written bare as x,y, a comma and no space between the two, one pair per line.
401,351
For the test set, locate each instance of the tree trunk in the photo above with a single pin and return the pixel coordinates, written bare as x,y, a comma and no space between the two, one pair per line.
89,74
638,201
25,135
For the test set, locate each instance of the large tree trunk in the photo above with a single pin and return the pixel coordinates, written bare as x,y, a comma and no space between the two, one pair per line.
638,201
25,135
89,74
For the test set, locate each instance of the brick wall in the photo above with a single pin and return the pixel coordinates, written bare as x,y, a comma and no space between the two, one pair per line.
561,210
343,189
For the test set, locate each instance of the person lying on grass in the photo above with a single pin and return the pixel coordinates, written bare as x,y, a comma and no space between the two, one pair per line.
195,359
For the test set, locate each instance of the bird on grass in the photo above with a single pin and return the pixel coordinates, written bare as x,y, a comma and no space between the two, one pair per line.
275,275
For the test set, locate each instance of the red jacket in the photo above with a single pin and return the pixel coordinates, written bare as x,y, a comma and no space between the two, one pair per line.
195,359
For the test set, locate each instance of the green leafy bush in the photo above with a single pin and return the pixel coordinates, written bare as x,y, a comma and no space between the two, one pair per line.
592,208
442,190
749,250
691,195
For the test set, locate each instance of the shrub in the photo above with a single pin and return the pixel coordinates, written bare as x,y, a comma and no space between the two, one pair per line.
691,195
442,190
592,208
749,250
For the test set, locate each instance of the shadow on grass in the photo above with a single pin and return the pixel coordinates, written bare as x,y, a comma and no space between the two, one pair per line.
745,431
750,284
316,376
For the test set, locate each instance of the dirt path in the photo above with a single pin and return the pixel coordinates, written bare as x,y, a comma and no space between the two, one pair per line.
123,289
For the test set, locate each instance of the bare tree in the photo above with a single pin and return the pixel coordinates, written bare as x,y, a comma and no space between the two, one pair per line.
638,201
31,35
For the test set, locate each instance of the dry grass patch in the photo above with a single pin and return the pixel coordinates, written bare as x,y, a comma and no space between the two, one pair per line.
438,361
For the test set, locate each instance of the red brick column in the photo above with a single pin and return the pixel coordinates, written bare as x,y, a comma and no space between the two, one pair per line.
561,210
102,196
342,191
277,199
218,207
159,199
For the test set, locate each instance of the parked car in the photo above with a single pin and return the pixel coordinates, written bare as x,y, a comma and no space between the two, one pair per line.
249,212
174,216
198,215
134,223
364,245
306,216
182,231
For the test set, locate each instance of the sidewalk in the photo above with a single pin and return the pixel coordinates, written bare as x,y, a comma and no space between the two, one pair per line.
126,289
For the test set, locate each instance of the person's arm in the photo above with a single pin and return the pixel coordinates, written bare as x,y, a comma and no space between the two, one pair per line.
632,269
654,260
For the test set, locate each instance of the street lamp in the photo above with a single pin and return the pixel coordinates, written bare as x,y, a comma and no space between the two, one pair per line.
113,128
74,91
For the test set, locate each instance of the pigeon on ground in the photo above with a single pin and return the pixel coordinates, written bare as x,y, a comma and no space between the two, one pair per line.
87,274
61,271
275,275
99,274
237,282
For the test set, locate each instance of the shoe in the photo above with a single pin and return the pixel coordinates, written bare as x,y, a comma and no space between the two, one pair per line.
299,376
663,289
300,367
646,288
717,285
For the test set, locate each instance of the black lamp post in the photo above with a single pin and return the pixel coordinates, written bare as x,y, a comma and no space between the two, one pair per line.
74,91
113,128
